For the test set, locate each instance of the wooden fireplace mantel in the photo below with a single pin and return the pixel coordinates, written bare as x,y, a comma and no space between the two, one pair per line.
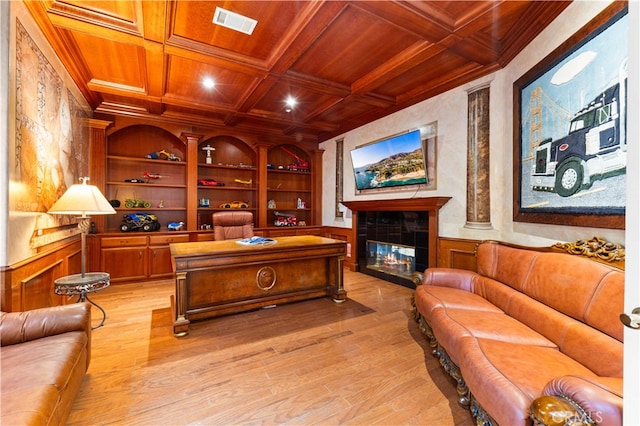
430,204
403,204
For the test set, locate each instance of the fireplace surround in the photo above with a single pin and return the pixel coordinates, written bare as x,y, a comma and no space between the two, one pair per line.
393,238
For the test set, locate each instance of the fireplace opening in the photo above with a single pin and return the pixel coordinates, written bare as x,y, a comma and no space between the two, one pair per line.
392,259
393,244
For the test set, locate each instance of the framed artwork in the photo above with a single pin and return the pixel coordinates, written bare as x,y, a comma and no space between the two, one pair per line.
570,152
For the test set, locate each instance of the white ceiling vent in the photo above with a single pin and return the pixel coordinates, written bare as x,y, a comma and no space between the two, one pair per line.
234,21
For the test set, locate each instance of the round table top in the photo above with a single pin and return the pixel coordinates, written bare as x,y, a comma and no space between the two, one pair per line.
82,283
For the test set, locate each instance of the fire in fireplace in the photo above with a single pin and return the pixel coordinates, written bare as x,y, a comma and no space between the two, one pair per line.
392,259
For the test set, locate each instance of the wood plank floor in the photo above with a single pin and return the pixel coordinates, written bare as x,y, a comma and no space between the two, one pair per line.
362,362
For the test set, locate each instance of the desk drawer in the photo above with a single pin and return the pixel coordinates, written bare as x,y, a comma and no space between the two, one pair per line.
124,241
156,240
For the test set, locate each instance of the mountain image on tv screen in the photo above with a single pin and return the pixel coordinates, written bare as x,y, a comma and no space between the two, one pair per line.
392,162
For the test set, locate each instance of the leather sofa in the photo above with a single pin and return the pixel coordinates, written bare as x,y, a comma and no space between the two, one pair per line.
531,337
45,354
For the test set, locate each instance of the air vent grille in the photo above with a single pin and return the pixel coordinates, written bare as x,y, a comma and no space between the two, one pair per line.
233,20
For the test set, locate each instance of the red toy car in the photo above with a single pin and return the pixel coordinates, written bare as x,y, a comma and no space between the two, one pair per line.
209,182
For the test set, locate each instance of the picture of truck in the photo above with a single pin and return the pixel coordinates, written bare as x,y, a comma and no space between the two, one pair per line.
594,148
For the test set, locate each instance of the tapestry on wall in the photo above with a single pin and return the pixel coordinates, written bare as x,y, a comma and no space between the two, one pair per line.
572,119
52,139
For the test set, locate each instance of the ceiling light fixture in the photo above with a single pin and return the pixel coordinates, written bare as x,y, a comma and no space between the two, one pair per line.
208,83
291,103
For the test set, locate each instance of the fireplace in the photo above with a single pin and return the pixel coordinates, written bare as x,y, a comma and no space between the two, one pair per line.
393,245
393,259
394,238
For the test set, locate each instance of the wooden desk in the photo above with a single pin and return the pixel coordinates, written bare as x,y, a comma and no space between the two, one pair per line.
221,277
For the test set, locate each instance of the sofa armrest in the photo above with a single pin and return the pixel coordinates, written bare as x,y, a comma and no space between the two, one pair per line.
19,327
580,400
446,277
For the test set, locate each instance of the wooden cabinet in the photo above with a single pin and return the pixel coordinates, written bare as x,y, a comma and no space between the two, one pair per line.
159,255
136,257
124,258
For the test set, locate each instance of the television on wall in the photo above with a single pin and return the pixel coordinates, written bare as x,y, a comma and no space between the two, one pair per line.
393,162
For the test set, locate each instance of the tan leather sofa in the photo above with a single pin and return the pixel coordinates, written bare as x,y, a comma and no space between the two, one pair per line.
532,337
45,354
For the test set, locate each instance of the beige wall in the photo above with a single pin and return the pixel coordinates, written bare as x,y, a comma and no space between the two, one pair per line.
53,155
450,112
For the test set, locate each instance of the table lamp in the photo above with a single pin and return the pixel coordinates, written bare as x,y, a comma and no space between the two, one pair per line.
82,200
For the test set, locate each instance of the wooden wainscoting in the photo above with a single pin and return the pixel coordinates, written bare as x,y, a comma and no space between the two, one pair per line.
29,284
457,253
344,234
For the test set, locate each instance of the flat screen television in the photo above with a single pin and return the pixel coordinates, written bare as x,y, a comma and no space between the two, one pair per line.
392,162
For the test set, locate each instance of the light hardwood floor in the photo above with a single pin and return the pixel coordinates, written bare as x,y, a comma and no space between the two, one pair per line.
316,362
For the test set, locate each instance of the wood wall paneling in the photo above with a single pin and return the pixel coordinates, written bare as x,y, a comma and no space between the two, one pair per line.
457,253
29,284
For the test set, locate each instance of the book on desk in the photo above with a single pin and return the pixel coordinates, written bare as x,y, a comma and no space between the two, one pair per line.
256,241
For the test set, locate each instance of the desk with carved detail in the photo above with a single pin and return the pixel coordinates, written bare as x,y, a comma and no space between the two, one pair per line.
215,278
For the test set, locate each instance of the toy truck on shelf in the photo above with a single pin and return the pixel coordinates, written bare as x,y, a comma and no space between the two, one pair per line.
139,221
301,165
283,219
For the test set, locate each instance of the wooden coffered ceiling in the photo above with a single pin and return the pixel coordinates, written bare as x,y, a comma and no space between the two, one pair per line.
346,62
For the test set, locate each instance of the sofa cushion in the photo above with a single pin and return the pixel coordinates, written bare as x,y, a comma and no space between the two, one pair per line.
597,351
430,297
45,361
451,325
508,265
568,287
603,311
32,405
506,377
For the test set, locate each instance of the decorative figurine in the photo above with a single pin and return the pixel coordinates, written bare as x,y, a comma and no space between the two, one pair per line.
209,158
271,204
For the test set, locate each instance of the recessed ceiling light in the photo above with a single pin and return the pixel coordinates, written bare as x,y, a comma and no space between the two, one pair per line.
208,83
291,103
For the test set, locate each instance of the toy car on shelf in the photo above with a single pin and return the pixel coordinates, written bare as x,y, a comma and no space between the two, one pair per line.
163,155
209,182
283,219
234,205
136,221
175,226
132,203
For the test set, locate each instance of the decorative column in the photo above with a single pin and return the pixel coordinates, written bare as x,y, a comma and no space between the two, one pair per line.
478,186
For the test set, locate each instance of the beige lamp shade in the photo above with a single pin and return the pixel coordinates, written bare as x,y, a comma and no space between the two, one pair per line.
82,199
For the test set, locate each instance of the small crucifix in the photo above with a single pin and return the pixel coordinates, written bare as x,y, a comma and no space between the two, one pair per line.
208,148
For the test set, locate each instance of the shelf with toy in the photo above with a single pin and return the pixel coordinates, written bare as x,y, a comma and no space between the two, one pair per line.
144,184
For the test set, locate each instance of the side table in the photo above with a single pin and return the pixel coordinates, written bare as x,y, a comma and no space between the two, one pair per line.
81,285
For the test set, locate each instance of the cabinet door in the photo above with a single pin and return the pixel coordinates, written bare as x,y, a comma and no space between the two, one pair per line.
160,262
160,254
125,263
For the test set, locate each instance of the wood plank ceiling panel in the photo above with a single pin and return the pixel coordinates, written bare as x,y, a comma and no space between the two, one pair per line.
346,62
